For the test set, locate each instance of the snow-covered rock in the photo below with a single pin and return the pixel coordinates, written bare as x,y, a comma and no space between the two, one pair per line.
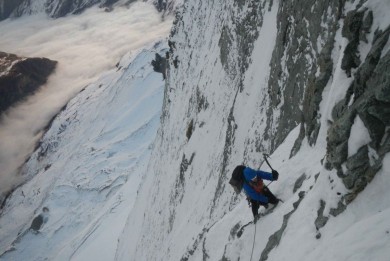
21,76
54,8
60,8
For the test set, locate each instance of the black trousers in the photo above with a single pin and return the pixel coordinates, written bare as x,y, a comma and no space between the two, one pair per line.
256,204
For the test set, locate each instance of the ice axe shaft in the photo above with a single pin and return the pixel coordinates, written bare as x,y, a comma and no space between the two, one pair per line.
265,158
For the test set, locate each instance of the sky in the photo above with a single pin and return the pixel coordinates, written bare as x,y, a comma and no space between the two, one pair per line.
85,46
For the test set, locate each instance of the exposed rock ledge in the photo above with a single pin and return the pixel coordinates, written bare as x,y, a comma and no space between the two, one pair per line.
20,77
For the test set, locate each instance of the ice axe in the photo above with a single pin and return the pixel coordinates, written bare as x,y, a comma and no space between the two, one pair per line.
265,158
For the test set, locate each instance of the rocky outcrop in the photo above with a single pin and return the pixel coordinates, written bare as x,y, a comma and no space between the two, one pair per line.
368,98
236,43
166,6
297,82
301,66
352,24
20,77
160,65
275,238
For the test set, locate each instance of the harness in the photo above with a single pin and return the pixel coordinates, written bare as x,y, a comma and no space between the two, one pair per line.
257,186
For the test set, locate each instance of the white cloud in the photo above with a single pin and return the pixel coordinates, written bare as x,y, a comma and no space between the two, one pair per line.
85,46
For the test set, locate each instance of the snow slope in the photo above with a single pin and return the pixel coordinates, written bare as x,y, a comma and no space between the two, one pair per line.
88,168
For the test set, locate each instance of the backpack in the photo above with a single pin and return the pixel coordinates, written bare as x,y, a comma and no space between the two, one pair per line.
237,179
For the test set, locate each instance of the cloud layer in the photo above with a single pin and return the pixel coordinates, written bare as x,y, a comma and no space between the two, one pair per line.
85,46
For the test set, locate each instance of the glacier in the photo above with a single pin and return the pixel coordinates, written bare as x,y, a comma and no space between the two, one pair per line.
88,167
85,46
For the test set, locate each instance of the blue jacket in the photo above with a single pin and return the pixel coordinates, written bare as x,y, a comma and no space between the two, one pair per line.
249,174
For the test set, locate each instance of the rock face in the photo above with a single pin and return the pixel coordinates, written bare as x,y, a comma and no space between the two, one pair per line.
7,7
303,48
20,77
368,98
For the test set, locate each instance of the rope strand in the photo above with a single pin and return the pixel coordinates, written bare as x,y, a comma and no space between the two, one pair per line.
254,238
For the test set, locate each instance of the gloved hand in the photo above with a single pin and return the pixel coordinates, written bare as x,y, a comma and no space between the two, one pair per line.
275,175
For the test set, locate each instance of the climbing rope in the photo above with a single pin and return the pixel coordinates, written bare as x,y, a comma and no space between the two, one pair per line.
254,238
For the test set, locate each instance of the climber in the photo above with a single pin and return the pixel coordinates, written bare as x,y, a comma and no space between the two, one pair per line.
252,182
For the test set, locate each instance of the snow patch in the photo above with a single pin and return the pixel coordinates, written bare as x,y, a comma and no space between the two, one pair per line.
359,136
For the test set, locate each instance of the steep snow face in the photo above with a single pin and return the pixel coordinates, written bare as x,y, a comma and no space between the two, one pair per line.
242,82
186,193
87,168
